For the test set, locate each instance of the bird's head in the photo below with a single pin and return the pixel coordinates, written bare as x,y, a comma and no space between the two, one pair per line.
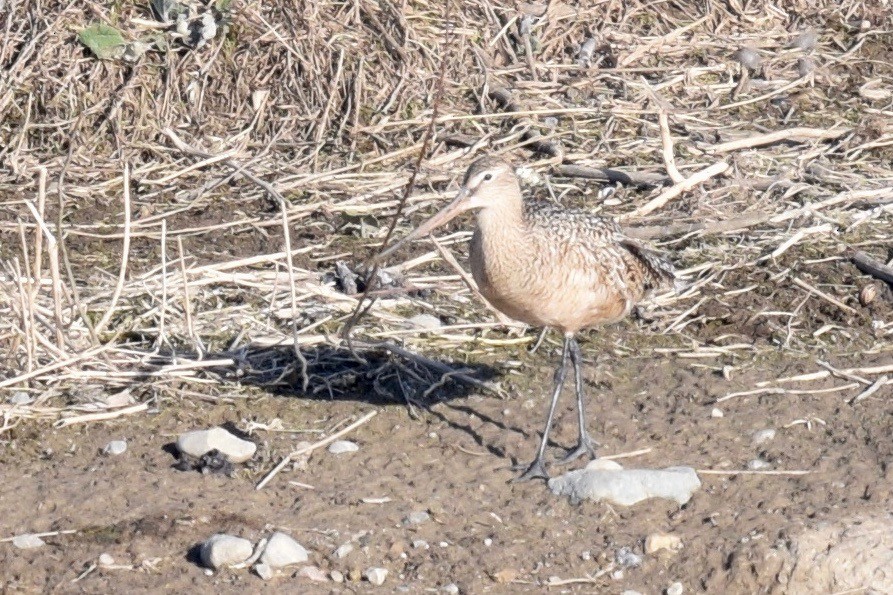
488,183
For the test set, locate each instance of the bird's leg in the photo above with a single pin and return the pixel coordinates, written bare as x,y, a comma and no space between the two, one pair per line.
537,468
585,445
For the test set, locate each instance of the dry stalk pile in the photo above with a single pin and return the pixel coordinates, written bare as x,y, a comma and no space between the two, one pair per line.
142,243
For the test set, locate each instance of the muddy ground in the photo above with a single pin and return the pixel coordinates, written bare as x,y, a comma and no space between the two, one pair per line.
741,533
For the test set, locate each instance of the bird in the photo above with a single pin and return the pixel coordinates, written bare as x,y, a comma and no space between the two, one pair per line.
546,265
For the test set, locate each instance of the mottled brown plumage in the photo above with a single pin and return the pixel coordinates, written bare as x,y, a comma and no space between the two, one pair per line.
549,266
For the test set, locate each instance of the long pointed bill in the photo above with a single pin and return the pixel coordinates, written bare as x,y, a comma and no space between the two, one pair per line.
460,204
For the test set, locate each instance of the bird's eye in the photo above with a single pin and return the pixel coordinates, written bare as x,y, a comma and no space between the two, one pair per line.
488,177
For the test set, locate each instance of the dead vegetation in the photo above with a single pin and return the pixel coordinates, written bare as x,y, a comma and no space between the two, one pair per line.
180,217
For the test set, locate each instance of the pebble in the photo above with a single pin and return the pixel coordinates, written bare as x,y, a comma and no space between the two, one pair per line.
225,550
115,448
282,550
200,442
452,589
376,576
748,57
343,550
342,446
263,571
417,518
420,544
314,573
27,541
106,559
763,436
586,555
758,465
425,322
631,592
675,589
337,576
628,558
20,398
716,412
607,480
488,542
662,541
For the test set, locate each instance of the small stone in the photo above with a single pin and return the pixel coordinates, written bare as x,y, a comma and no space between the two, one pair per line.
662,541
201,442
420,544
867,294
263,571
506,575
758,465
28,541
343,550
225,550
805,66
749,58
606,480
425,322
806,41
106,559
675,589
314,573
417,518
550,122
631,592
716,412
586,555
115,448
451,588
282,550
342,446
628,558
762,436
20,398
376,576
337,576
488,542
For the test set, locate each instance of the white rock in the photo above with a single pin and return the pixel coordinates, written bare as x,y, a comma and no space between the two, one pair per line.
376,576
675,589
225,550
115,448
421,544
106,559
425,321
452,589
631,592
337,576
199,442
417,518
627,558
662,541
263,571
763,436
342,446
27,541
488,542
716,412
282,550
626,486
20,398
314,573
758,465
343,550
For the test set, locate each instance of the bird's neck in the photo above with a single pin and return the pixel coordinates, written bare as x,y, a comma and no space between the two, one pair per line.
505,217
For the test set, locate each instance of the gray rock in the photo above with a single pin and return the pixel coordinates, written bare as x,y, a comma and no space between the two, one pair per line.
376,576
337,576
417,518
106,559
420,544
20,398
282,550
343,550
342,446
314,573
675,589
115,448
28,541
425,322
762,436
758,465
263,571
451,589
627,558
225,550
200,442
606,480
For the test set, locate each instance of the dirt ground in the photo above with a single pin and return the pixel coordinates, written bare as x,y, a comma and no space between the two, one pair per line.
485,533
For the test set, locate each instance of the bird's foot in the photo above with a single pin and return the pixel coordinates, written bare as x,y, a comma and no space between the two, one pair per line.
534,471
585,446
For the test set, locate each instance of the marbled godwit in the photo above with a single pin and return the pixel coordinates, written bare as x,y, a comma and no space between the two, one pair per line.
548,266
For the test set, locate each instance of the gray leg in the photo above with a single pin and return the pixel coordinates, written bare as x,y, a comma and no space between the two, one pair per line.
585,444
537,468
